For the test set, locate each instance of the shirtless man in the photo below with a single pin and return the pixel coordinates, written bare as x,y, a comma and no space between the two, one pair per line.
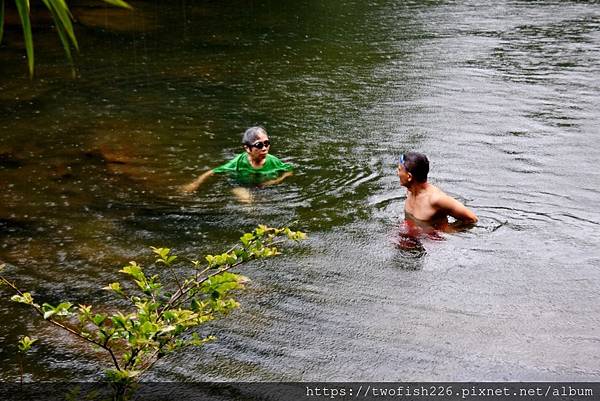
426,203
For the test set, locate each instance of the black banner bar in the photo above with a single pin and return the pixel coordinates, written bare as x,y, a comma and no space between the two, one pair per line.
309,391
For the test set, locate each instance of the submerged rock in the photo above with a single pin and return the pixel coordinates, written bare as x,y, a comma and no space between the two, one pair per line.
129,150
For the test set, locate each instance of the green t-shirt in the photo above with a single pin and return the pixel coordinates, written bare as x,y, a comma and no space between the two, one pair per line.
241,170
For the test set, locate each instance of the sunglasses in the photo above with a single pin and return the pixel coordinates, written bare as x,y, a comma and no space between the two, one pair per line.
260,145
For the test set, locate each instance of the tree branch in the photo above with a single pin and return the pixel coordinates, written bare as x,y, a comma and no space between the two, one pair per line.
62,326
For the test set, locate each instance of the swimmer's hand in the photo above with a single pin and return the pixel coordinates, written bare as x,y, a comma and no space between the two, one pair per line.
194,185
188,188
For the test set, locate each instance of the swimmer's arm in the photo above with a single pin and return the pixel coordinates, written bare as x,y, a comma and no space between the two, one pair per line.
277,180
194,185
455,209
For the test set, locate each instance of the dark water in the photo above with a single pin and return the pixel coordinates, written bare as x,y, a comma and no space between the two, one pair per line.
503,96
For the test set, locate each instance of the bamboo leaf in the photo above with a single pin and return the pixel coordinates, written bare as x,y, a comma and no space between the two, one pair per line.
64,27
62,18
23,9
118,3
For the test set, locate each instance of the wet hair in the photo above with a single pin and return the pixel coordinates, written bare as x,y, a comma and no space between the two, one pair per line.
251,133
417,165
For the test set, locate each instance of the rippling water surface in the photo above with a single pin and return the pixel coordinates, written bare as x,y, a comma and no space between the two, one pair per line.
501,95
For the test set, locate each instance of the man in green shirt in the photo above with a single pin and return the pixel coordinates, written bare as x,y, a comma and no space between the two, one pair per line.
254,166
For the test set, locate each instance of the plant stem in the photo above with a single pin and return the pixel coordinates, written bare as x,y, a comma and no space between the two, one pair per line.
62,326
175,276
21,369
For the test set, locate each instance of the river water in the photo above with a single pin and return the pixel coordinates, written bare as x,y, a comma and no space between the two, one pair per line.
503,96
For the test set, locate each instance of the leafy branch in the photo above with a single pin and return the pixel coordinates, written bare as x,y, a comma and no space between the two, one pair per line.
159,320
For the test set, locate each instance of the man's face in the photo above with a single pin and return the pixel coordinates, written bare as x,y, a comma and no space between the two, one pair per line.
259,149
405,176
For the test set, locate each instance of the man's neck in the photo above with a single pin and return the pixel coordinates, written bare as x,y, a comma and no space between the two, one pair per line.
417,188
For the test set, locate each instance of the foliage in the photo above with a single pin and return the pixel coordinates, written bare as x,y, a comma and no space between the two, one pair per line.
25,343
162,313
62,18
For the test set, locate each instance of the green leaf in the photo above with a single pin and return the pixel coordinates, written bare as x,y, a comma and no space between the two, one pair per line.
23,9
143,286
116,287
26,298
109,331
120,320
246,238
98,319
261,230
220,260
102,336
294,235
167,329
231,259
121,376
63,309
25,343
196,306
148,328
134,270
162,252
119,3
169,315
17,298
49,313
220,284
242,254
85,309
48,309
62,21
85,313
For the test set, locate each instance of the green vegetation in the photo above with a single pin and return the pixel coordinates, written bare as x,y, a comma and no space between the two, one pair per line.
24,345
163,308
62,19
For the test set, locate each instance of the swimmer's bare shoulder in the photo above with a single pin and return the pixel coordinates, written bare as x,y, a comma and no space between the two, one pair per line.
450,206
434,194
